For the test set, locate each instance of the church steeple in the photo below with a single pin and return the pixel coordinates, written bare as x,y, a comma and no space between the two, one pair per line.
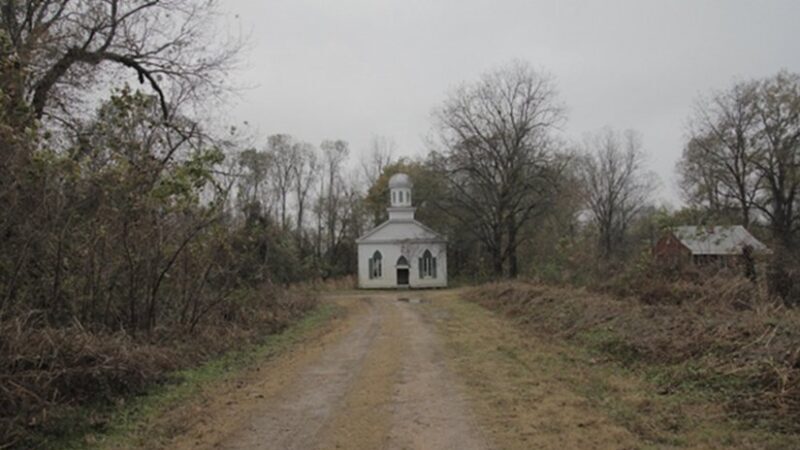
400,197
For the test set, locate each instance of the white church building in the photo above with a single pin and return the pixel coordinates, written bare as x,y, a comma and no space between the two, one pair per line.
401,252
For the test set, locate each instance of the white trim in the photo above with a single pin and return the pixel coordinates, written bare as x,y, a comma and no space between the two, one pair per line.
436,236
406,241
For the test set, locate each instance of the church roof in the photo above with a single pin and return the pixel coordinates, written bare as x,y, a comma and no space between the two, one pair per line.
395,231
400,180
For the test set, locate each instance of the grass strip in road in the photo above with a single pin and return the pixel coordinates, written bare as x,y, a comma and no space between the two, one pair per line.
134,422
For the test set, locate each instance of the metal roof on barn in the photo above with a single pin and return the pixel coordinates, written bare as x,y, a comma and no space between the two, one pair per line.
717,240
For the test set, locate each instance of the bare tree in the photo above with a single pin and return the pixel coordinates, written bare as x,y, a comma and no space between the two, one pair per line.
334,154
778,141
285,158
498,155
744,150
700,181
305,178
252,190
61,46
720,160
380,154
616,186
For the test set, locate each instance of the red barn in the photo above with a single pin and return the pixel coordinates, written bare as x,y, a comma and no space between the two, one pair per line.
722,245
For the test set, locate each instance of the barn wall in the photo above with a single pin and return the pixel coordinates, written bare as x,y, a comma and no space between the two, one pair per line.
670,249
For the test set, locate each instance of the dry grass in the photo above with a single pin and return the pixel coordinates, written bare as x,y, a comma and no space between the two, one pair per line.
338,284
716,336
47,373
44,368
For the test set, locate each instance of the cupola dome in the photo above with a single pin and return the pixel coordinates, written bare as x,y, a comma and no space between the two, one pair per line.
400,181
400,191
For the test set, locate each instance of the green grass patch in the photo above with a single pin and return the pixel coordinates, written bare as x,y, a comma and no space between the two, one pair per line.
112,425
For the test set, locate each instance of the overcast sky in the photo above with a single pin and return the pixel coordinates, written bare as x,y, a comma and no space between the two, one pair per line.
350,69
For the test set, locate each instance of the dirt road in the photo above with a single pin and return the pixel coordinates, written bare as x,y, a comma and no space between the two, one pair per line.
431,371
378,380
402,371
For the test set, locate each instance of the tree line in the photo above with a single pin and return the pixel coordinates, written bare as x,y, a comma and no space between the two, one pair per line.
125,212
122,211
519,199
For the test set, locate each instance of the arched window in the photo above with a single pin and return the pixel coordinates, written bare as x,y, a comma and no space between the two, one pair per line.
427,265
402,261
376,265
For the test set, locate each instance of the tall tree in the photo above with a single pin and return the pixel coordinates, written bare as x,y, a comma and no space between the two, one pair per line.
379,155
720,160
615,184
334,154
252,189
285,158
499,154
305,178
778,141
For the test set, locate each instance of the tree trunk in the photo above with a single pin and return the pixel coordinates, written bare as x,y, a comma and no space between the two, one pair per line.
496,250
513,268
300,210
497,263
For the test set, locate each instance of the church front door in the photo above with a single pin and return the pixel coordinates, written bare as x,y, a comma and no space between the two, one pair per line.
402,277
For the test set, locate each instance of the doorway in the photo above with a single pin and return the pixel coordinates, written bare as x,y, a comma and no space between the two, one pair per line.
402,277
402,271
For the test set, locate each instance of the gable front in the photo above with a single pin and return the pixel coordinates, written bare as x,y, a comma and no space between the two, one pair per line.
400,231
670,246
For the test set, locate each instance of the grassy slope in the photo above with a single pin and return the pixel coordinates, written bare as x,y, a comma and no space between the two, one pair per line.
135,422
514,373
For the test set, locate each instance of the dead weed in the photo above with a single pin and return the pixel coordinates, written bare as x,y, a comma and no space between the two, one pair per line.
718,335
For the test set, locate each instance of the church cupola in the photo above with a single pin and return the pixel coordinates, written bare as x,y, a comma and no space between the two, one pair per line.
400,186
400,197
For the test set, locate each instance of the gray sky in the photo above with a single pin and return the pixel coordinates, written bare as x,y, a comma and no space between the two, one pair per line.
350,69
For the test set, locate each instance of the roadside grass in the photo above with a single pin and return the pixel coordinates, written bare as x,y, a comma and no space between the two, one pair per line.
130,422
517,377
519,388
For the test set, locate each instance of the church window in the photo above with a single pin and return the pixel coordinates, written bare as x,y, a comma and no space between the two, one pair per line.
427,265
375,265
